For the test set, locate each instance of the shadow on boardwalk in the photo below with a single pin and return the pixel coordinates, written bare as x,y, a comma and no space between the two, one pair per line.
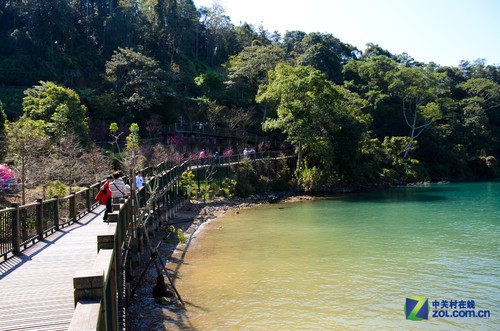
11,265
37,286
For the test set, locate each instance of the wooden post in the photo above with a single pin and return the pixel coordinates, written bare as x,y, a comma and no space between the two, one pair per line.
16,231
87,199
119,235
89,287
56,213
72,207
39,219
110,261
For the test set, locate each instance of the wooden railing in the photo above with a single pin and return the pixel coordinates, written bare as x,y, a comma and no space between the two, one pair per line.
101,292
23,225
199,128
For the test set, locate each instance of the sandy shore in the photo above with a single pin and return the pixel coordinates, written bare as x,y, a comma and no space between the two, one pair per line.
149,313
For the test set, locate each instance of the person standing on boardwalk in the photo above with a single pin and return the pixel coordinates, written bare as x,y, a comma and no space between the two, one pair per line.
106,197
202,157
139,181
118,188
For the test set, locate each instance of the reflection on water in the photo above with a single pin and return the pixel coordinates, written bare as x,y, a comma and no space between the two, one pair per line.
347,263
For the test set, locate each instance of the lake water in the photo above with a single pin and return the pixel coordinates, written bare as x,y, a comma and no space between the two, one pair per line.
349,262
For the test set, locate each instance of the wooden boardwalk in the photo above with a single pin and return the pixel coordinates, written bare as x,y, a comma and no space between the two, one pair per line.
36,287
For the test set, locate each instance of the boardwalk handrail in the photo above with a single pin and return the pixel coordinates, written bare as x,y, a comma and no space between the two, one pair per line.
97,288
21,226
198,128
166,199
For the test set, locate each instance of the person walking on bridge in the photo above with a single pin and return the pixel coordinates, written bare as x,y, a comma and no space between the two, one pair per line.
106,200
202,157
118,188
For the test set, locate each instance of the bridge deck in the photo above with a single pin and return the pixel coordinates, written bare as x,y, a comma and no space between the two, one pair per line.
36,287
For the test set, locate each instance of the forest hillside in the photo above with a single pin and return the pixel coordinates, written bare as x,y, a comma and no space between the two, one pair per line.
71,68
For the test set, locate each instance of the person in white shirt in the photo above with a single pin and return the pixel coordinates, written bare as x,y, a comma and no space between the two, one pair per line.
139,180
118,188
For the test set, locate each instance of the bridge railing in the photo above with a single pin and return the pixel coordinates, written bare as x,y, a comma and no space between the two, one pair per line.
199,128
24,225
97,288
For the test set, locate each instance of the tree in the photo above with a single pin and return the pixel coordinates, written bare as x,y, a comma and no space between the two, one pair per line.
137,80
68,156
96,165
371,78
418,90
319,118
251,66
480,108
188,28
132,145
128,159
323,52
59,108
219,33
211,83
27,143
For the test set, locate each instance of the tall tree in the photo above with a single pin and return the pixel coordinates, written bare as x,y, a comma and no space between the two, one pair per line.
249,69
68,156
59,108
481,119
418,90
219,33
137,80
27,143
318,117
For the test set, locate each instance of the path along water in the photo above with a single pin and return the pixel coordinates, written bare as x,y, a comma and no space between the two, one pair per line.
349,262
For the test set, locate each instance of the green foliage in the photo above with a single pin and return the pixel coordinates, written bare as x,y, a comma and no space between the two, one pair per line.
310,179
132,140
156,56
56,188
180,236
113,128
396,168
177,232
12,100
187,181
59,108
211,84
251,178
322,120
481,108
137,80
26,142
226,189
247,182
104,108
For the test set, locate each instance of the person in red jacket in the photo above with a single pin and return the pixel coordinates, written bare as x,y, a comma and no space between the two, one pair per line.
106,197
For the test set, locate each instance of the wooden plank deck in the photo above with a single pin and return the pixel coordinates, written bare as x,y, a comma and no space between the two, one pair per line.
36,287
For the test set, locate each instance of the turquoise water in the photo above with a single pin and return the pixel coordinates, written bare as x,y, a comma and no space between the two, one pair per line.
347,263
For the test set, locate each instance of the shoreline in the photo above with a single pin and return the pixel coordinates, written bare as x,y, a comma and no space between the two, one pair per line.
149,313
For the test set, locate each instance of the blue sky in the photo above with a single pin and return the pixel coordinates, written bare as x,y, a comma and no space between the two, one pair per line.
442,31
